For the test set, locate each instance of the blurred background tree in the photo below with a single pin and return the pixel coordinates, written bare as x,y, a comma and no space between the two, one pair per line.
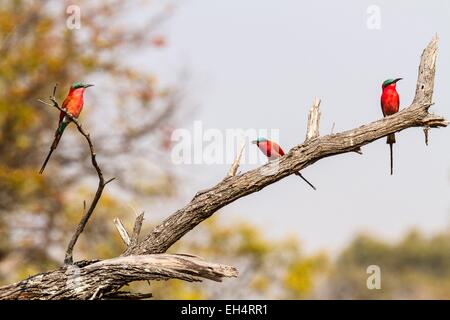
130,115
416,267
268,268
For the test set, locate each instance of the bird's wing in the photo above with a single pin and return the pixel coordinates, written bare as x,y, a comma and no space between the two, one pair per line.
277,149
382,107
64,106
265,148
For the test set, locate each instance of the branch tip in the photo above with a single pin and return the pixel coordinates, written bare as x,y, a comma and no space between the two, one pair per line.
237,160
137,229
312,130
122,231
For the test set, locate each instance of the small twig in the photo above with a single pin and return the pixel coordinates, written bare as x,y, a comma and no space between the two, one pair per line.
312,130
102,279
425,131
237,160
122,231
68,259
109,180
225,192
120,271
136,230
332,128
133,240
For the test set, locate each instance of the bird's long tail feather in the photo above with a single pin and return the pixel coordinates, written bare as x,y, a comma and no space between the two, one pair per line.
301,176
46,160
391,140
392,158
58,135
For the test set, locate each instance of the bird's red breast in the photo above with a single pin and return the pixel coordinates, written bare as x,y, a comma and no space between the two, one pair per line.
73,102
271,149
390,100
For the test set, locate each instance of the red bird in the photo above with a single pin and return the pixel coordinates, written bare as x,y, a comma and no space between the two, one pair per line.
390,102
273,151
73,104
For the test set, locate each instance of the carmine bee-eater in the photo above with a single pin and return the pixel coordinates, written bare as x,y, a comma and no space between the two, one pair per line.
73,104
390,102
273,151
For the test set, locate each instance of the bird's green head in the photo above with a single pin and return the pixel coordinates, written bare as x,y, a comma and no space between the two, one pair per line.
259,140
80,84
390,81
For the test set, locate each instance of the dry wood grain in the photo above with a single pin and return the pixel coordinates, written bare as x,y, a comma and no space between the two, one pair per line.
145,259
301,156
96,279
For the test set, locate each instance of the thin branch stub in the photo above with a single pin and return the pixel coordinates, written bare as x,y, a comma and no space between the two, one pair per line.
312,130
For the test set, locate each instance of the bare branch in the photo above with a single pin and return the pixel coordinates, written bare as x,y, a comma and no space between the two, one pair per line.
237,160
136,230
133,240
86,279
125,295
122,231
204,204
101,181
425,132
95,279
312,130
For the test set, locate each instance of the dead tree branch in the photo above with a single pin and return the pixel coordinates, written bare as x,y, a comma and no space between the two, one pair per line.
301,156
68,259
237,160
98,279
137,229
312,130
90,281
122,231
133,240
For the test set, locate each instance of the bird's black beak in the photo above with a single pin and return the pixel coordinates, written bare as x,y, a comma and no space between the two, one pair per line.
255,141
88,85
398,79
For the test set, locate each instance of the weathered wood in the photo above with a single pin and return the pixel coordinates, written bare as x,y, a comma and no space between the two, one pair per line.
122,231
68,259
301,156
235,166
137,230
95,279
89,279
312,130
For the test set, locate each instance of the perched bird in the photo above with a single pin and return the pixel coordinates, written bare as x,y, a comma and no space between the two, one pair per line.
273,151
390,102
73,104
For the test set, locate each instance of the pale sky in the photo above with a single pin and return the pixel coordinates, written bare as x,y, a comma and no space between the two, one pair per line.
259,64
